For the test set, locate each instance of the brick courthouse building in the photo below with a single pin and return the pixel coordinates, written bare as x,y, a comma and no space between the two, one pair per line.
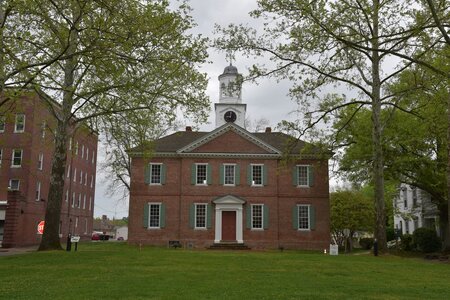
230,186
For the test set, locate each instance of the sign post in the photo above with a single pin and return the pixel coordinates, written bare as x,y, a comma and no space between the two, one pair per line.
40,227
75,239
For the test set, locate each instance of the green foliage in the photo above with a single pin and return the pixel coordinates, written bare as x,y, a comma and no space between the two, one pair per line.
406,242
426,240
94,271
351,210
390,234
366,243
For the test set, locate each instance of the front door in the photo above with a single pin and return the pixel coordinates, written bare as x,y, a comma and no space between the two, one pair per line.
228,225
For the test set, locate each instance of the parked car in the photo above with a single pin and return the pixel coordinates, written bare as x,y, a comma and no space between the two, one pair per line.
95,237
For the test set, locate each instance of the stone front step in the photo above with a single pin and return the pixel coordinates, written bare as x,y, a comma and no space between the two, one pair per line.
228,246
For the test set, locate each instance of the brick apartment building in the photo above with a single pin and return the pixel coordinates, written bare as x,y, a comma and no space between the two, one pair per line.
229,186
26,149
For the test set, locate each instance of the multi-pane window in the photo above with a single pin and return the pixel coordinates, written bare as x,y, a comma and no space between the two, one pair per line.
257,174
414,196
92,181
76,148
303,217
200,215
2,123
85,178
155,173
67,196
79,201
407,227
90,203
82,151
93,157
40,161
84,201
14,184
73,199
229,174
405,197
302,176
38,191
81,177
202,173
154,215
16,158
257,216
20,123
74,174
68,171
87,153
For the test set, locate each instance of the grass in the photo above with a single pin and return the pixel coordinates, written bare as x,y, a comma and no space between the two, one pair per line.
119,271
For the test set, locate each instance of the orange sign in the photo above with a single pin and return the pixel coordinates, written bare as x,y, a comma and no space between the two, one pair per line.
40,227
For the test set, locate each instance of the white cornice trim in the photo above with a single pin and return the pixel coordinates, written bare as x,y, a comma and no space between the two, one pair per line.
225,155
223,129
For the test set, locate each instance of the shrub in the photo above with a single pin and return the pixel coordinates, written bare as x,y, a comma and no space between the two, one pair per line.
426,240
406,242
390,234
366,243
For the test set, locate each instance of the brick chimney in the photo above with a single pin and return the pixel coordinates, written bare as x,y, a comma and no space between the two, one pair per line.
268,129
188,128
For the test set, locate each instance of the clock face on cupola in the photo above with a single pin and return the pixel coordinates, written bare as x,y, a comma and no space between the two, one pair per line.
230,108
230,116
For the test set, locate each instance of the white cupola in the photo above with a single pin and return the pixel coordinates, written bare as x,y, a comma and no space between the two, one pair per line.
230,107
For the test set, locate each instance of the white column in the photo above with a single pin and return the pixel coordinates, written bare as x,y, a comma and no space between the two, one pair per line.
218,228
239,234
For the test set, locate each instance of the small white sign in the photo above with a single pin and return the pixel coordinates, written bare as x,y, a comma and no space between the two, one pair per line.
334,249
75,239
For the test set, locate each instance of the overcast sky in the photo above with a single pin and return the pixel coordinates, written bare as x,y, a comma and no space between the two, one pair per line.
267,99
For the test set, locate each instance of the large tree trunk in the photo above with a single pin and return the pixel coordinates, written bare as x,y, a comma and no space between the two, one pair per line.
2,55
378,176
447,231
50,238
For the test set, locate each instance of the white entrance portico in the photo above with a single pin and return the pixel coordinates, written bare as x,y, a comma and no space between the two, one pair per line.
228,203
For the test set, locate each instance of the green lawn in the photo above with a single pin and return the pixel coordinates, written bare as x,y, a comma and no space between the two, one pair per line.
118,271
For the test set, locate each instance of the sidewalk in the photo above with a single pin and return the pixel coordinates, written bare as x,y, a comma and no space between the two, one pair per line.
16,251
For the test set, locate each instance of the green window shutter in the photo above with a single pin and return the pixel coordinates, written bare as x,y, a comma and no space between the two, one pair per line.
249,174
266,216
312,217
162,215
193,174
237,173
295,217
221,175
192,215
249,217
265,174
209,174
146,213
163,174
208,216
147,174
310,175
295,176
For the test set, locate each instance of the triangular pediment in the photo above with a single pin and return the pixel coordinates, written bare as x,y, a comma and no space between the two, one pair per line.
229,199
229,138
